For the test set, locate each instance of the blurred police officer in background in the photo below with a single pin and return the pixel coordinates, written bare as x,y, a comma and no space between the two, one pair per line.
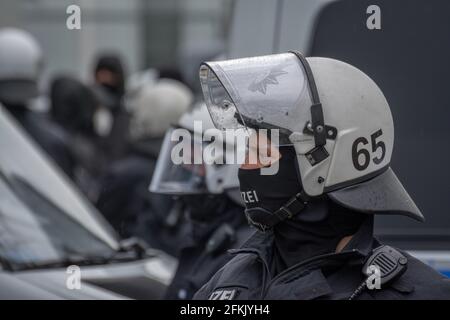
314,202
20,68
113,118
74,107
124,198
207,195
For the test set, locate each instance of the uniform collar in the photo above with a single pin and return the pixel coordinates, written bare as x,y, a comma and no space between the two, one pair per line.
362,241
261,243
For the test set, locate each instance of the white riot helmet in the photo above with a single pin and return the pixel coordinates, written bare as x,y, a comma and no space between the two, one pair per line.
157,106
20,66
334,115
210,174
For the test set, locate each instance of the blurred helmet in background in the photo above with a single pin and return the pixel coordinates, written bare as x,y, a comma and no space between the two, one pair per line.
158,106
210,176
20,66
137,81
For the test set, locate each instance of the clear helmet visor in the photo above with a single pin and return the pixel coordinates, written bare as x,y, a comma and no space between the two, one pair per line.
268,92
180,169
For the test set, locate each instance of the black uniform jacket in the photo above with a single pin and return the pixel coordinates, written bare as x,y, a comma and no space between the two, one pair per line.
329,276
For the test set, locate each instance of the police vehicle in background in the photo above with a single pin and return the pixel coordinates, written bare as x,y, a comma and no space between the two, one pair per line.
54,244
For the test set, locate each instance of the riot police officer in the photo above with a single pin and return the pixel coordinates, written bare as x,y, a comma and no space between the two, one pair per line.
207,197
109,89
124,198
327,175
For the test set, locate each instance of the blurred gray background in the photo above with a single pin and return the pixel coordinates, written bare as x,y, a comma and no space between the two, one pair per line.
146,33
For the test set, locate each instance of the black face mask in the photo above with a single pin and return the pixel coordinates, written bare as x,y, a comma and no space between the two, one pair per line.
315,230
265,194
207,213
297,240
205,208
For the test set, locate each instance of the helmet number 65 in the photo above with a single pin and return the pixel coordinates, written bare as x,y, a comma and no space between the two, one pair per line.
356,154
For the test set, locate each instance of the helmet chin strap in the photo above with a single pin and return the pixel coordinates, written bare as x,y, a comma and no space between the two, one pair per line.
316,127
291,208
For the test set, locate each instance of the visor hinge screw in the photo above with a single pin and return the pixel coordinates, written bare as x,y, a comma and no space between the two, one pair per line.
319,128
320,180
